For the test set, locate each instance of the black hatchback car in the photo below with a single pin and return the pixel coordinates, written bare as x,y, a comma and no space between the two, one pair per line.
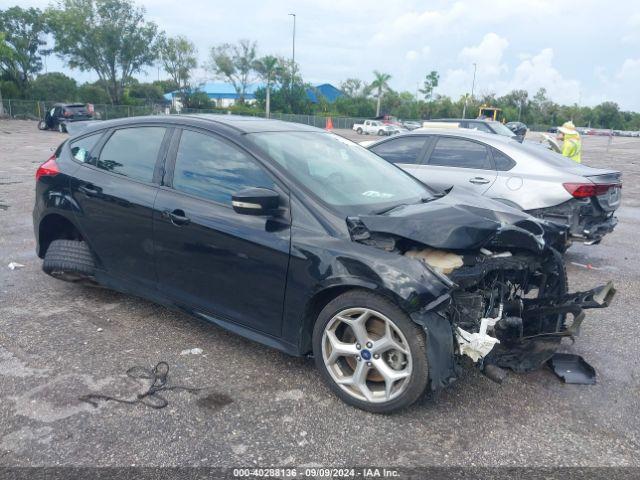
57,117
309,243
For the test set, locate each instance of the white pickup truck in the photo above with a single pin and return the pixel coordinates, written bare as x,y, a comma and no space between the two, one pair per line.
375,127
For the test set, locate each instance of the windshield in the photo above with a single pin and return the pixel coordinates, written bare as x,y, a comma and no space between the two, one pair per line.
340,172
501,129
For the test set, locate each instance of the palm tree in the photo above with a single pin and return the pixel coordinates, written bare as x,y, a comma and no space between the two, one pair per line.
267,68
381,85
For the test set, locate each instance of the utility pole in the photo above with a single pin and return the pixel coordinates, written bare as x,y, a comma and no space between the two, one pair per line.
473,86
293,58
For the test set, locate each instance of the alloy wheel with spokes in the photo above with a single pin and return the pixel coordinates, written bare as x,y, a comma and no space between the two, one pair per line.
366,354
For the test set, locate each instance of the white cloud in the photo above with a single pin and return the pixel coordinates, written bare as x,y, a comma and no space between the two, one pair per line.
487,54
411,55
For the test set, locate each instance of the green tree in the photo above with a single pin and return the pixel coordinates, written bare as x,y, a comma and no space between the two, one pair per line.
24,36
381,86
110,37
143,94
268,68
53,86
429,84
199,100
93,93
166,86
607,115
234,63
178,56
353,87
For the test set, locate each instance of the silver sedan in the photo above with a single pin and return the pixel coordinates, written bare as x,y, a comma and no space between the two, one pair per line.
524,175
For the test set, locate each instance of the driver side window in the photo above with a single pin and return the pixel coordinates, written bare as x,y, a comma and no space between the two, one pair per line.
210,168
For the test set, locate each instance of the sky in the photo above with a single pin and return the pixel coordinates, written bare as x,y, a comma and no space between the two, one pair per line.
581,51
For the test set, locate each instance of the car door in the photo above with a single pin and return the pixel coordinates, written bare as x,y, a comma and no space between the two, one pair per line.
407,152
460,162
209,257
115,192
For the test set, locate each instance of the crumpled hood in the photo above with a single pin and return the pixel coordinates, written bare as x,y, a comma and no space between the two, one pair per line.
461,221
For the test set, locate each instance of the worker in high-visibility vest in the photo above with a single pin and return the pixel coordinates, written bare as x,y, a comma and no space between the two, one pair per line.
572,145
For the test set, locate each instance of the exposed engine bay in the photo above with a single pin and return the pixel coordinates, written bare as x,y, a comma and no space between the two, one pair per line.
508,305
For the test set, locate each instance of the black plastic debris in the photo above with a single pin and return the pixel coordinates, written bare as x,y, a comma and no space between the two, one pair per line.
572,369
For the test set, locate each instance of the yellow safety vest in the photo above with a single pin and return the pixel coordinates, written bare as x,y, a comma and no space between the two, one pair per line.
572,148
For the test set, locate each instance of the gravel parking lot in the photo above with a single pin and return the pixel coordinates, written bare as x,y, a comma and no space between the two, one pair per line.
59,341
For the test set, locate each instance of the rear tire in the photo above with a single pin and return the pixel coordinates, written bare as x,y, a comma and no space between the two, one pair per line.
62,128
359,131
69,260
381,133
42,125
408,372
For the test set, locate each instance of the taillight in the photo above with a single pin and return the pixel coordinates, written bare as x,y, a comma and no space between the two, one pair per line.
585,190
48,168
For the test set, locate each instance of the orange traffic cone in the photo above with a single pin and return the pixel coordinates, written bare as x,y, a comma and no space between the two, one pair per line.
329,124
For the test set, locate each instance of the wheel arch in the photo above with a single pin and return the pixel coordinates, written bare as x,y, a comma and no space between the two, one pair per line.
322,297
55,226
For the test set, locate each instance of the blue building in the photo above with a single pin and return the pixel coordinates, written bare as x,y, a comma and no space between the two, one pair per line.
222,93
326,90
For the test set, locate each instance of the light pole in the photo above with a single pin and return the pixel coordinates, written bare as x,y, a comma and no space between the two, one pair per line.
473,86
293,58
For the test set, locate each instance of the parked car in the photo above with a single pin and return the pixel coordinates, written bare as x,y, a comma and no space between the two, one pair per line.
302,240
375,127
523,175
486,126
57,117
518,128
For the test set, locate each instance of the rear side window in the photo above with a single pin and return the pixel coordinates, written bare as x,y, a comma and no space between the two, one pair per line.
460,153
502,162
132,152
401,150
212,169
81,148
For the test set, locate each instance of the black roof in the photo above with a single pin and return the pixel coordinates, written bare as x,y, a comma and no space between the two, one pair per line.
237,123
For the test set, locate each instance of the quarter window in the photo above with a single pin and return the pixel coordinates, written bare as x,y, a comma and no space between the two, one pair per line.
81,148
460,153
401,150
503,162
132,152
210,168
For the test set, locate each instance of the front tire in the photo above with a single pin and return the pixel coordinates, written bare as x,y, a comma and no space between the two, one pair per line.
381,133
69,260
370,353
42,125
359,131
62,128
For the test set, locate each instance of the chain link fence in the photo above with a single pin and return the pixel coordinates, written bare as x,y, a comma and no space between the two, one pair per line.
35,110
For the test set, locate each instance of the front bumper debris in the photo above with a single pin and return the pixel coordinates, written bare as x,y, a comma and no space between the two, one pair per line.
572,369
526,353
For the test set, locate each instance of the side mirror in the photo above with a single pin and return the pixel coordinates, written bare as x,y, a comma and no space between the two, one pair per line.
255,201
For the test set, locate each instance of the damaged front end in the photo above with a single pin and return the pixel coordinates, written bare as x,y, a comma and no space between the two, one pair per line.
508,304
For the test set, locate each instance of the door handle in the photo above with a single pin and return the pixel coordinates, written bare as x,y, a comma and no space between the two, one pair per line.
479,180
177,217
89,190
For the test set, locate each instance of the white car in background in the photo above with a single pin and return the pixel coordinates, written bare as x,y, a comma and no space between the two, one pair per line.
376,127
542,183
